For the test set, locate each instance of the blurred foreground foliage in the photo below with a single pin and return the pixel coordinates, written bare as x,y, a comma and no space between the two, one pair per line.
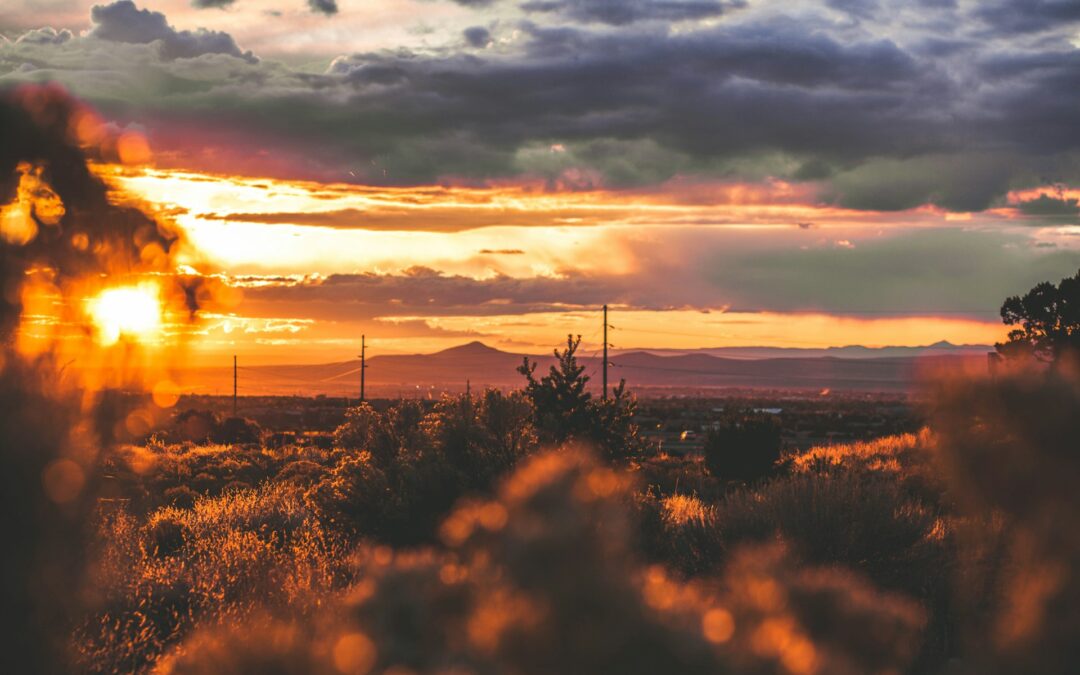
448,539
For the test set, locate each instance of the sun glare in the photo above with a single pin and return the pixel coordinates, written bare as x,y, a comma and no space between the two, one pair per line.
127,312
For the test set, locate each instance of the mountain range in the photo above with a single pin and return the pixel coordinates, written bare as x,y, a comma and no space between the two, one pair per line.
852,368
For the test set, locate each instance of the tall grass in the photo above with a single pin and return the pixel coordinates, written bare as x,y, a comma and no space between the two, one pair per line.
542,580
229,556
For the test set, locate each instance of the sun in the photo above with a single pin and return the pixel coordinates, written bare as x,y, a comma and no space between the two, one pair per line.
132,312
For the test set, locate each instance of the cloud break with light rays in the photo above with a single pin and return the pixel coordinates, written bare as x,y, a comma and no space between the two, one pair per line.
790,174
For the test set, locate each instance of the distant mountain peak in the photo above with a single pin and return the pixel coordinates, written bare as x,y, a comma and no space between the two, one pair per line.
474,348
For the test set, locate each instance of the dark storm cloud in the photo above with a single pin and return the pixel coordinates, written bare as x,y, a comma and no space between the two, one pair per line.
1028,16
122,21
872,9
477,36
697,98
422,291
1045,205
623,12
908,106
327,7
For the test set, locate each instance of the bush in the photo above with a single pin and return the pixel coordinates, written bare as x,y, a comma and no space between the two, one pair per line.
501,598
229,556
1008,449
181,496
680,531
861,521
406,468
907,459
236,430
746,449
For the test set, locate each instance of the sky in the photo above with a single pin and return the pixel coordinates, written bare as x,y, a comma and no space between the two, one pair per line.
720,172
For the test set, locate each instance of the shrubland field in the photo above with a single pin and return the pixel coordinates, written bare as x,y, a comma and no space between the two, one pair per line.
536,532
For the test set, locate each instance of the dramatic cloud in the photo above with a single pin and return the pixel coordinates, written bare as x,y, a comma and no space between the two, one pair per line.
1028,16
477,36
122,21
952,272
327,7
878,104
45,36
622,12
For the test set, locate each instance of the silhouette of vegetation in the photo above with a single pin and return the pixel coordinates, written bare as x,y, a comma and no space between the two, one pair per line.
405,468
743,449
565,411
1049,320
499,597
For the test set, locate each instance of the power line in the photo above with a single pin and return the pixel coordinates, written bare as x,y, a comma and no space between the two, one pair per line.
748,376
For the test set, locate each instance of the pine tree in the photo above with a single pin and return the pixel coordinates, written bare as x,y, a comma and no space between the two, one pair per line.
560,399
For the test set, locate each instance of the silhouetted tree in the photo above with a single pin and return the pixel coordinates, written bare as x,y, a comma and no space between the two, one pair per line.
564,410
1049,320
559,399
616,432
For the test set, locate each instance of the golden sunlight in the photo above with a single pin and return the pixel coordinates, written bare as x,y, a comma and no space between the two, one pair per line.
133,312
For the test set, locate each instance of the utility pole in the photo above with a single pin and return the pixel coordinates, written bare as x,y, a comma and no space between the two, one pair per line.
363,364
234,385
605,351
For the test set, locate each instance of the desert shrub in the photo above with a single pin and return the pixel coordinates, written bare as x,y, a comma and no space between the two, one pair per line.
664,474
43,531
194,426
359,429
501,598
154,476
355,497
906,458
236,430
180,496
1008,449
302,472
745,449
226,557
165,533
863,522
262,646
680,531
406,468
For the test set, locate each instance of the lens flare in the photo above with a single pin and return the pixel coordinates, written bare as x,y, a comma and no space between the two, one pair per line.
132,312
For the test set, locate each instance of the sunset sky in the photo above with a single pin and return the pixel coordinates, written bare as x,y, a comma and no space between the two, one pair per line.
720,172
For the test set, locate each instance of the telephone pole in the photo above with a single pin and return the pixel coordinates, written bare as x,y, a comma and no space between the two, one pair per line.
363,364
605,351
234,385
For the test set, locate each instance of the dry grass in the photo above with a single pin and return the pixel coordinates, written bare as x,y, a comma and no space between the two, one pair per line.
227,557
